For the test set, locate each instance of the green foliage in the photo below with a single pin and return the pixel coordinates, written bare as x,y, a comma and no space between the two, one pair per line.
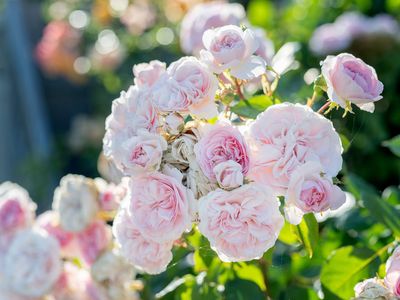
307,233
252,107
394,145
345,268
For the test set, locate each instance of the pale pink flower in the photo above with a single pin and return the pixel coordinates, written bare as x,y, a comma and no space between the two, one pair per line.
286,136
311,191
188,86
240,224
372,288
161,207
206,16
140,153
146,255
17,211
330,38
146,74
93,241
349,79
49,221
231,48
392,277
110,195
220,143
32,264
228,174
131,112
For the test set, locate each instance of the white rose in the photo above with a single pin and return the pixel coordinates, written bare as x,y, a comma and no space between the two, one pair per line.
32,264
76,202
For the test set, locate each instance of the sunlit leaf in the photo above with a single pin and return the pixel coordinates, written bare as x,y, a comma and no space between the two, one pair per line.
250,272
239,289
345,268
307,233
252,107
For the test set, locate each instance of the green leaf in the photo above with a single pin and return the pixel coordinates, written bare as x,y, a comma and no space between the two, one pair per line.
260,13
380,209
250,272
345,142
287,236
346,267
239,289
320,84
393,144
252,107
307,233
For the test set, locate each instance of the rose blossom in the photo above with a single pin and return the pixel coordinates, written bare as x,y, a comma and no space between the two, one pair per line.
230,47
372,288
146,74
350,79
32,264
329,38
206,16
220,143
17,211
140,153
392,278
49,221
310,191
240,224
181,150
229,174
131,112
75,200
160,205
188,86
76,283
174,123
111,267
93,241
146,255
287,135
110,194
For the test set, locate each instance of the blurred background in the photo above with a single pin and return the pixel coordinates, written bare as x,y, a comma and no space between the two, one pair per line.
62,62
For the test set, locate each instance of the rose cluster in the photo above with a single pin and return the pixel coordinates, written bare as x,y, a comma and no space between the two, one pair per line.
193,164
350,27
65,253
387,288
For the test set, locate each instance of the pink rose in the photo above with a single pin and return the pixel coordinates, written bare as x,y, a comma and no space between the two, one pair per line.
146,255
146,74
140,153
189,86
350,80
392,278
240,224
110,195
220,143
206,16
228,174
330,38
17,211
131,112
93,241
32,264
310,191
287,135
230,47
161,207
49,221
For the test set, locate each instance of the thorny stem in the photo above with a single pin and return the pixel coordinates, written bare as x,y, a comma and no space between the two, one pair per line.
311,101
324,107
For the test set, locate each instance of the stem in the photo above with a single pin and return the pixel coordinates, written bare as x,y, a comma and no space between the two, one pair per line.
266,85
323,108
238,89
311,101
264,269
